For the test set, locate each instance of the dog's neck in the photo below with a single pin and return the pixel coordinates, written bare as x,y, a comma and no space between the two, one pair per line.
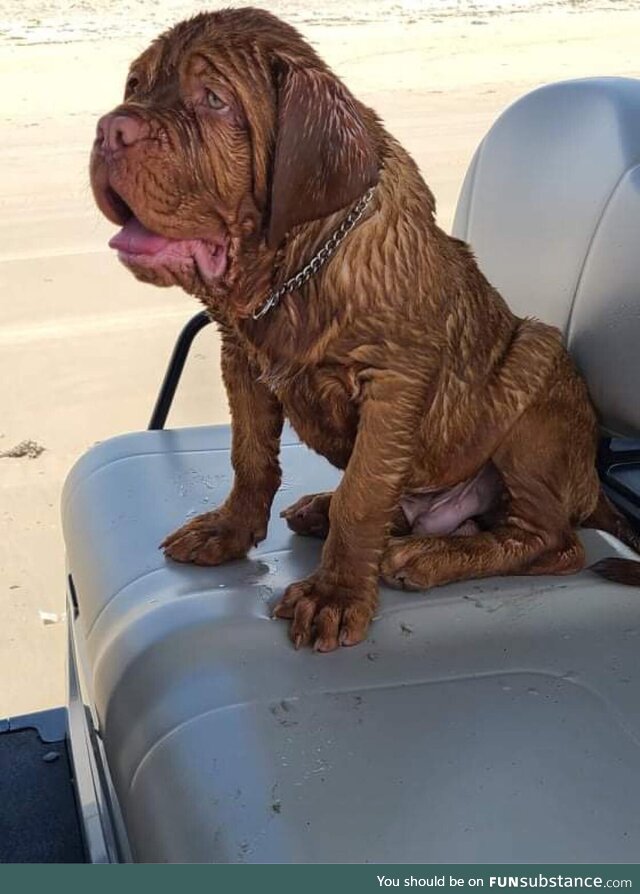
321,257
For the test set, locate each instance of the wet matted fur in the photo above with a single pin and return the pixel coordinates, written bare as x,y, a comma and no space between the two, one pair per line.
234,156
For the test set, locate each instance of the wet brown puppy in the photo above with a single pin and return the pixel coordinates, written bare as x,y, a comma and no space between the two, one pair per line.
234,157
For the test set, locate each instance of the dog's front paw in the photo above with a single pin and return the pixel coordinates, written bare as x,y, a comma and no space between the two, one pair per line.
326,614
211,539
309,516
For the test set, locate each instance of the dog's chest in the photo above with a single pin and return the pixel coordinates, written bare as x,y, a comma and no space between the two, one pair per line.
321,402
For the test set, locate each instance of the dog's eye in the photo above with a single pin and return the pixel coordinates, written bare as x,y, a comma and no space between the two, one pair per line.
214,101
132,85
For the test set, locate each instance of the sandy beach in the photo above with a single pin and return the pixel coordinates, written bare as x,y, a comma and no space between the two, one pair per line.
82,345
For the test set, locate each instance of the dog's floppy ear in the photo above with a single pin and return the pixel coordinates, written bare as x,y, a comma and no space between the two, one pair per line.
324,157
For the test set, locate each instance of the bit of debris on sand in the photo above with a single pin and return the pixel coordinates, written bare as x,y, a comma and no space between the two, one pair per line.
48,618
28,448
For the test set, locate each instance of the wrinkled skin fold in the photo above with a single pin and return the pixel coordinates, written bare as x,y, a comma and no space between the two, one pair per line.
466,436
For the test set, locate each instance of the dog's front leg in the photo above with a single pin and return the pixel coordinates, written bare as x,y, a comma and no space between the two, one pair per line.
230,531
335,605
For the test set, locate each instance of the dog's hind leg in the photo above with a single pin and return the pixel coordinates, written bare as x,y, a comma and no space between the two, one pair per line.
418,563
533,534
569,558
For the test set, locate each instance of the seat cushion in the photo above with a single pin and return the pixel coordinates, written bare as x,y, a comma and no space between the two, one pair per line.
551,208
494,720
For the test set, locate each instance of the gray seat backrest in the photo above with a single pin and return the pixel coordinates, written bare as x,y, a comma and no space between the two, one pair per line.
551,208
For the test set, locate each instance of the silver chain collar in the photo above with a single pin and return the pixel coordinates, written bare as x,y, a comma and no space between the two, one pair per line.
319,259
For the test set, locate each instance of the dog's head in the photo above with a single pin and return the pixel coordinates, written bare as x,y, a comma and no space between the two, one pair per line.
231,133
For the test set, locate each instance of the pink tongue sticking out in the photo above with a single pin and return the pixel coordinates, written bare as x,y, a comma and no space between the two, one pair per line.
134,238
140,247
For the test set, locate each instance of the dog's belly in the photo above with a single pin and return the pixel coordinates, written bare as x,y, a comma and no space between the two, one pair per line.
447,511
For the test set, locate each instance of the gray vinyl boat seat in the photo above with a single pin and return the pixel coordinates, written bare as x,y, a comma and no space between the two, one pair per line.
490,721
